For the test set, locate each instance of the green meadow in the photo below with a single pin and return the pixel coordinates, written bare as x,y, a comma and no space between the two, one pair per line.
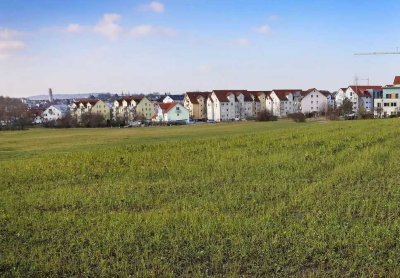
240,199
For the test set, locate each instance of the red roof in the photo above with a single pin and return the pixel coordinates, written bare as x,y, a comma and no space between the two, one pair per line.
282,94
193,96
247,96
165,107
259,93
222,95
85,102
396,80
362,91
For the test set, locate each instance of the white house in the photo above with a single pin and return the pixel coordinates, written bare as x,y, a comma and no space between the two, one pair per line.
285,102
330,98
340,96
125,107
171,112
54,113
228,105
171,98
362,96
314,101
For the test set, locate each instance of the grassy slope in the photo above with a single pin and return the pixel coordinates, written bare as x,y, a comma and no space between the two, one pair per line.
249,198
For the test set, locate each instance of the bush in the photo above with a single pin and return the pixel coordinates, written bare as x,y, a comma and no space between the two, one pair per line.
297,117
93,120
332,114
266,116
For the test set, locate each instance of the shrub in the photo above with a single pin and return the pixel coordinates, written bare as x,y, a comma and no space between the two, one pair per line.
266,116
297,117
332,114
93,120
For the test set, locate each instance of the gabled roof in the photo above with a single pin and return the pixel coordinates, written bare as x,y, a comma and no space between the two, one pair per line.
60,107
362,91
323,92
247,96
175,97
396,80
365,88
86,101
138,98
259,93
165,107
282,94
193,96
222,95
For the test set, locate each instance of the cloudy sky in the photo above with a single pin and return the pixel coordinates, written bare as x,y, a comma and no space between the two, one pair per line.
179,45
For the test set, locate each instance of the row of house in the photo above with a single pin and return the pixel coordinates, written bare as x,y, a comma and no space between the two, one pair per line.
227,105
127,108
224,105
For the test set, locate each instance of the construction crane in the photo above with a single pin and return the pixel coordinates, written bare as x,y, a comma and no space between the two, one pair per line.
397,52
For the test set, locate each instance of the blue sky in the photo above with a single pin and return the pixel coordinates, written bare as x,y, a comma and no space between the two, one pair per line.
180,45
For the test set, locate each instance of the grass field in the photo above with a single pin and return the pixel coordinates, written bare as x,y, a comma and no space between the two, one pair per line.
250,199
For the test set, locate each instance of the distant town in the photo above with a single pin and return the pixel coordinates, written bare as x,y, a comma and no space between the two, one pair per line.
106,109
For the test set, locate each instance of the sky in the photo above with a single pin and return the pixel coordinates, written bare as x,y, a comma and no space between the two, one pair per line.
88,46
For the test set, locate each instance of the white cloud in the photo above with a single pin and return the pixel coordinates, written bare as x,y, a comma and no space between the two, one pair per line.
8,33
9,44
108,26
242,42
8,47
150,30
264,29
154,6
73,28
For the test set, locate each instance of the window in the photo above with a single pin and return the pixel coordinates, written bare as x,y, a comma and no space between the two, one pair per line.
386,104
317,95
312,95
312,102
393,104
379,105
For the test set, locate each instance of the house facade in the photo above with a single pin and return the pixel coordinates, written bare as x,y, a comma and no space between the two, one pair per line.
54,113
314,101
125,107
145,108
285,102
221,106
362,96
171,112
340,97
90,106
387,103
196,103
